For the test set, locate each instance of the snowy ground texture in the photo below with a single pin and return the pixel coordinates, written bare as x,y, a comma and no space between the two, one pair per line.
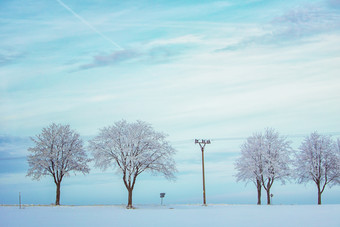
175,216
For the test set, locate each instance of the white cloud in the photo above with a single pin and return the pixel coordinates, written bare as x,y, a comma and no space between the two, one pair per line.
205,87
14,179
102,98
187,39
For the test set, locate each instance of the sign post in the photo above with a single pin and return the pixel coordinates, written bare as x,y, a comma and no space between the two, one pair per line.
162,196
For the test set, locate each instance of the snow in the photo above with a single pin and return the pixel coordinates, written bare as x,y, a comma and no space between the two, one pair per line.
176,215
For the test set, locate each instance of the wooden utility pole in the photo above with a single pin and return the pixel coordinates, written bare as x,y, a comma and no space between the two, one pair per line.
202,144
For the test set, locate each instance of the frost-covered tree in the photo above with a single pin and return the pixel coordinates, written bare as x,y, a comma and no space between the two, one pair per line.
337,166
250,165
58,151
133,148
264,159
276,152
318,160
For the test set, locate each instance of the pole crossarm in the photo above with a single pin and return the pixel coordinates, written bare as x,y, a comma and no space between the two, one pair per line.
204,142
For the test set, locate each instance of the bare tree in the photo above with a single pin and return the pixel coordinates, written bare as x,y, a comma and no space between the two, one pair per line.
318,160
58,151
133,148
276,158
250,165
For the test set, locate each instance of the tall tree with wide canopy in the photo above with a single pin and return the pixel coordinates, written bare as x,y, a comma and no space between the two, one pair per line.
318,160
264,159
133,148
276,156
250,165
58,151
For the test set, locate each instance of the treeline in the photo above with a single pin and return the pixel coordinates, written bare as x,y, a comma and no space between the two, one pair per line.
134,148
268,157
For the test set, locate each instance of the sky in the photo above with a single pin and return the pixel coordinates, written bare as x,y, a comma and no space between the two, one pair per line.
218,70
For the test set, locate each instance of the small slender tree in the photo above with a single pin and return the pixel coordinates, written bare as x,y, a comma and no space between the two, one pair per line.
250,165
318,160
58,151
133,148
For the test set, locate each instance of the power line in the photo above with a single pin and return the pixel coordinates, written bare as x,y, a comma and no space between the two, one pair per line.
244,138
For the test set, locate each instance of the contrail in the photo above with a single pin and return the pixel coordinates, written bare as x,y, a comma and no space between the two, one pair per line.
89,25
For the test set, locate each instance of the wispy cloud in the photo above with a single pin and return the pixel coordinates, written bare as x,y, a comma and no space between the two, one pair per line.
13,148
8,56
153,55
294,25
307,20
111,59
334,3
155,51
186,39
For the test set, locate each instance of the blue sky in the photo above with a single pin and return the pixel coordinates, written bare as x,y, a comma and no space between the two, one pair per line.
193,69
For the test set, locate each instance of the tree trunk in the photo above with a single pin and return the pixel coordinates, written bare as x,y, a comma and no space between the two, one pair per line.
267,188
259,187
319,195
129,206
268,196
57,199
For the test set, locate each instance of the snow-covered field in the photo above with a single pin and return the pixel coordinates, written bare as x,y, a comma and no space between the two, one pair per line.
176,215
